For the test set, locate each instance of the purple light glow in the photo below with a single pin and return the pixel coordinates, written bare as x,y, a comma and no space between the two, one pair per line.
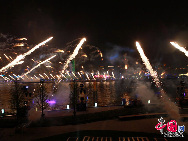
51,102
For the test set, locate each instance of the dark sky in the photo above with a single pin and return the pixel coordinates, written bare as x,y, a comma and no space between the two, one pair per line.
105,25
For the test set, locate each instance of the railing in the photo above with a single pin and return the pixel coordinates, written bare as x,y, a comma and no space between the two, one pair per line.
89,138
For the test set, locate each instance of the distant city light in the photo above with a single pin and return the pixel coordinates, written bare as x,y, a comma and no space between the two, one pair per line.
9,115
95,104
2,111
67,106
126,67
101,76
148,101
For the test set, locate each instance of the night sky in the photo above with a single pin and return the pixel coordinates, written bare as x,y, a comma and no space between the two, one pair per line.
107,25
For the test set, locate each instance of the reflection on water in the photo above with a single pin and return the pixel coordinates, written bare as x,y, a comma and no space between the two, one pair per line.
106,93
4,95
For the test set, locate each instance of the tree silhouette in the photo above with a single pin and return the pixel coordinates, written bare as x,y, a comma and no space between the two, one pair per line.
40,97
17,100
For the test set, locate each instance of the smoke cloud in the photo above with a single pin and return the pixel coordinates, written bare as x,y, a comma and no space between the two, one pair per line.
145,93
62,95
117,52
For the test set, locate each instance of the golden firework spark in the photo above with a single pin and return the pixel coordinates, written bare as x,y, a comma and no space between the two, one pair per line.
101,54
20,57
20,39
59,50
148,65
182,49
84,55
46,75
41,76
52,76
38,65
36,77
7,57
18,45
10,57
170,107
72,56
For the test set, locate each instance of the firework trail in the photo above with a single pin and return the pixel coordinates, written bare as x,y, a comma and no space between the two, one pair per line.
169,106
36,77
7,57
79,74
52,76
20,39
38,65
20,57
59,50
74,54
182,49
92,74
46,75
113,75
11,77
148,65
68,73
18,63
15,75
87,76
58,77
74,75
63,75
5,78
10,57
41,76
18,45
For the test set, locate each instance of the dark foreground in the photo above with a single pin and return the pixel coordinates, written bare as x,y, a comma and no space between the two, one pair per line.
115,123
109,135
